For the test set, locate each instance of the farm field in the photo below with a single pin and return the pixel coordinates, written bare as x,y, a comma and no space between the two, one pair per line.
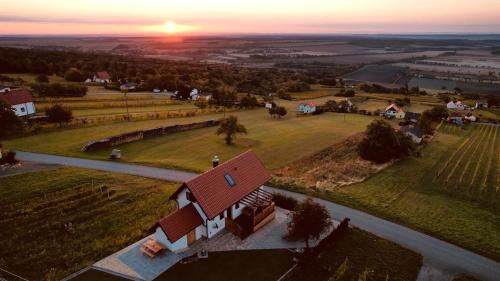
277,142
133,109
31,78
407,193
384,74
317,91
473,168
107,212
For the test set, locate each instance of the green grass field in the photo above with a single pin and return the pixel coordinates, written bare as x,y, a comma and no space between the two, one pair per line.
36,206
277,142
359,252
407,193
31,78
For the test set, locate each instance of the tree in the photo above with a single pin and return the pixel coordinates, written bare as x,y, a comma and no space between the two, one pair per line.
74,75
58,114
230,127
278,111
10,124
382,143
42,78
308,221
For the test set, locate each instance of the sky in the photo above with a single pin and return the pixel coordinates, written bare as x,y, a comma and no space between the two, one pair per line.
151,17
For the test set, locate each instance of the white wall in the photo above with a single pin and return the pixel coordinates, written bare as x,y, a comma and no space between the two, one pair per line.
237,211
216,225
176,246
29,109
181,198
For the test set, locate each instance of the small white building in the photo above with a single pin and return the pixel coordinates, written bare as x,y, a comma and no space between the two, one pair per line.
102,77
481,104
20,100
195,95
458,105
225,195
307,108
129,86
393,111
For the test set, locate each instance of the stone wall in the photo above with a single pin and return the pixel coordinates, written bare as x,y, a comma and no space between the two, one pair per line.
143,134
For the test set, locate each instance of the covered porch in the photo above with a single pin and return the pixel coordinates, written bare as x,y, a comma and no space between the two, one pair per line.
258,211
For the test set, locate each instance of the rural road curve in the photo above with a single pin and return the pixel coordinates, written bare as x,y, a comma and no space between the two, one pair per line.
446,257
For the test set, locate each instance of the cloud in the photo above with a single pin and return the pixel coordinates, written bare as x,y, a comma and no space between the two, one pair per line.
124,20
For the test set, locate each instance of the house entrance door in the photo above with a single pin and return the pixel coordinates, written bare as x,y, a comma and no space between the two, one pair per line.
230,213
191,237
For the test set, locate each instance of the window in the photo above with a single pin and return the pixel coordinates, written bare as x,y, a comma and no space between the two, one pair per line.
229,180
22,109
237,205
221,216
190,197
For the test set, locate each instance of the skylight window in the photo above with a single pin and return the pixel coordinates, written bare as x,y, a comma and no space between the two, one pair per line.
229,180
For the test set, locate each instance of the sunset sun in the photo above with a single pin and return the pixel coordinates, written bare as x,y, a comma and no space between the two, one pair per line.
170,27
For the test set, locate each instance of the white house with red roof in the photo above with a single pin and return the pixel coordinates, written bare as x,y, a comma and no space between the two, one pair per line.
20,100
102,77
393,111
307,107
228,196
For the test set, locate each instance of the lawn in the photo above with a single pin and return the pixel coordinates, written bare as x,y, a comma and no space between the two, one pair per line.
277,142
132,109
358,253
258,265
31,78
107,212
406,193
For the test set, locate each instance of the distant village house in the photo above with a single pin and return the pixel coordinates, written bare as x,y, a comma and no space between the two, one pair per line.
20,100
458,105
413,132
4,89
307,108
412,117
102,77
393,111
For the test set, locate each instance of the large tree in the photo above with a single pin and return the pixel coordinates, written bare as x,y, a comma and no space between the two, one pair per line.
230,127
382,143
59,114
308,221
10,124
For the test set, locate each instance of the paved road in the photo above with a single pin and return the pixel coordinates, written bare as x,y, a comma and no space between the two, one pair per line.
445,256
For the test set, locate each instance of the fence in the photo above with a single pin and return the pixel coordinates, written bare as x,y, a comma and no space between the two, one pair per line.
147,133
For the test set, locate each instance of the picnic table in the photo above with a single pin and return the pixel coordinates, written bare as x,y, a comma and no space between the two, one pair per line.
152,248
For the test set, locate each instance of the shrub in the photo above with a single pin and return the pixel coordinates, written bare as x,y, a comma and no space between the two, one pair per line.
297,86
10,124
42,78
284,201
59,90
9,158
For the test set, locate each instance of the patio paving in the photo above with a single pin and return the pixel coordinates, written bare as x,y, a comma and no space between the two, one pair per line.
132,263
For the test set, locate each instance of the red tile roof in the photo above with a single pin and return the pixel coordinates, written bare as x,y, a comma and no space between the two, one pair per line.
18,96
213,192
180,222
394,106
102,75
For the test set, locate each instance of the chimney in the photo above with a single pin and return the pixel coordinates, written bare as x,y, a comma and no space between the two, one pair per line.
215,161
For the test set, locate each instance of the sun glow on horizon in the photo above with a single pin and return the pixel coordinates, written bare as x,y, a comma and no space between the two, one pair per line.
170,27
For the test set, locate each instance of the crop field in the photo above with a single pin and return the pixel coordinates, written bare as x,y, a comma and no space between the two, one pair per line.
69,218
473,168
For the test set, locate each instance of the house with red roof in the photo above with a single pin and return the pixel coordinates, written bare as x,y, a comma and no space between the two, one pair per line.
307,107
20,100
229,196
102,77
393,111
